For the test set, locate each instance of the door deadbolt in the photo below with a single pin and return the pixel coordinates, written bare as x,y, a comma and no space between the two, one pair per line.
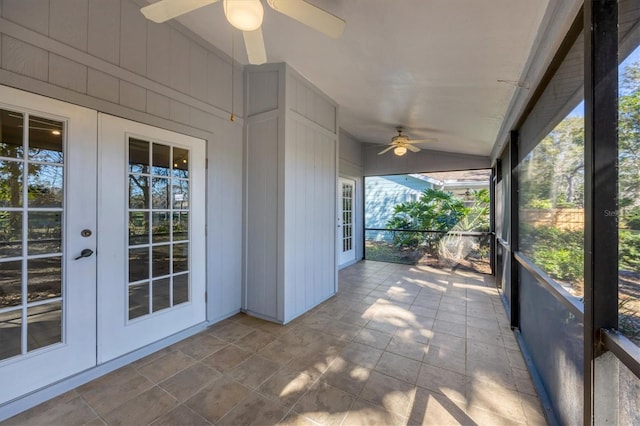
85,233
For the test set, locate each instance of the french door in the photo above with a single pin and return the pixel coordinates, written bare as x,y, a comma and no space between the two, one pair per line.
151,220
346,192
47,220
102,245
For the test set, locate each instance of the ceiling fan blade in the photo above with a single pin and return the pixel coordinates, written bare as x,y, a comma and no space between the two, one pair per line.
168,9
310,15
386,149
254,43
422,140
412,148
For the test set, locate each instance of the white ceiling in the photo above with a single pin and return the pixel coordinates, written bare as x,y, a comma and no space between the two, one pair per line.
447,69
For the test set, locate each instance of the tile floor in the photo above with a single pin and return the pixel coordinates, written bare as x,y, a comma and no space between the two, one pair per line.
398,345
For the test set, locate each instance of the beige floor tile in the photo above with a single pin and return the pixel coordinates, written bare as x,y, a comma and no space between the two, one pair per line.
295,419
432,408
230,332
114,389
183,416
360,358
312,364
346,376
276,351
446,382
142,409
494,399
189,381
200,346
445,358
67,409
450,328
255,340
254,410
365,413
286,386
165,367
407,348
362,355
399,367
254,371
217,399
376,339
324,404
394,395
226,358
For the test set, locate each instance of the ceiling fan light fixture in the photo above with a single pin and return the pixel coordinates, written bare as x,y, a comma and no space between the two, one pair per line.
245,15
400,150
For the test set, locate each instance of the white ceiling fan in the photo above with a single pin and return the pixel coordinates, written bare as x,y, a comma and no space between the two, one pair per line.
246,15
401,144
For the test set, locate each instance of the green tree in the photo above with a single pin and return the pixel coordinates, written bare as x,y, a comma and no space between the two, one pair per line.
435,210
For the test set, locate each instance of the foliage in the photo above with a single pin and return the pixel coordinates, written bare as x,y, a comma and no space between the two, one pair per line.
629,250
438,210
435,210
559,253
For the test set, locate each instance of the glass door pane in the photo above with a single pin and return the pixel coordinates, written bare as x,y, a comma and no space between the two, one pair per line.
31,229
158,227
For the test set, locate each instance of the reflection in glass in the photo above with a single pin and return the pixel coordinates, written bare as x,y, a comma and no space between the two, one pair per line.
11,134
45,185
138,300
180,258
10,284
44,278
10,234
138,192
44,325
161,160
10,334
180,194
138,228
180,289
138,156
552,203
138,264
45,234
45,140
161,295
160,227
11,183
180,226
161,260
160,193
180,163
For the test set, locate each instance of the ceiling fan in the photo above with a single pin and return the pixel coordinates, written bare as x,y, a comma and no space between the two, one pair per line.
401,143
246,15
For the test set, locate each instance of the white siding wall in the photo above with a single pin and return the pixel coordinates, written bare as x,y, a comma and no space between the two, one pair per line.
104,55
291,153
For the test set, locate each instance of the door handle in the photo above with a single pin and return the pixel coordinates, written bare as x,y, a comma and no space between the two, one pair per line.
85,253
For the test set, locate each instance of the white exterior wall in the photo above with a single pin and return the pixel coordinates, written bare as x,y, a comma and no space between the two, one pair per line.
291,183
106,56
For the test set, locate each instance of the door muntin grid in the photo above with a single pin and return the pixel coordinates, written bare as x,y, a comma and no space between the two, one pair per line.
158,213
31,232
347,217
